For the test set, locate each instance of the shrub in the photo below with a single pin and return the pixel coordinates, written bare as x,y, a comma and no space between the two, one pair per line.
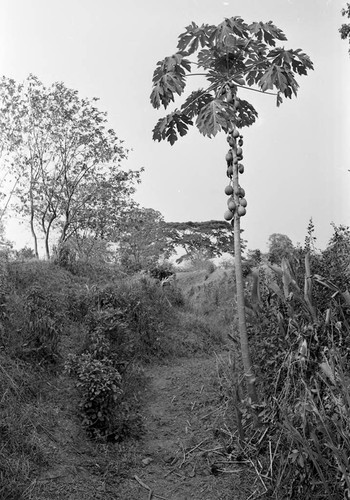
162,271
109,324
25,253
107,411
144,309
99,382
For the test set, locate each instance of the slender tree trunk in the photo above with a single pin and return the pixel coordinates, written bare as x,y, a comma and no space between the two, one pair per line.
242,326
32,229
47,246
32,211
64,231
46,231
47,237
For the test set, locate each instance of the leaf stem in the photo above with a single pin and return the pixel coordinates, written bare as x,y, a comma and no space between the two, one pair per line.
240,86
255,90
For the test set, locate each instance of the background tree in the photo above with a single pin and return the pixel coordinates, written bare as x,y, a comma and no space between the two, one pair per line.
143,238
344,30
254,259
62,151
233,55
206,239
335,262
280,246
106,201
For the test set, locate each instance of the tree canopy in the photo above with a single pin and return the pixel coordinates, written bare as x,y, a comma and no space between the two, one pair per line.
280,246
201,239
63,154
142,238
233,55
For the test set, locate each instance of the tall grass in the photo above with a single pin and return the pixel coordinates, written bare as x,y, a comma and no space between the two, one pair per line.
299,444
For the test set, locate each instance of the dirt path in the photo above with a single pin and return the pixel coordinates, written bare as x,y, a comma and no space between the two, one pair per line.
181,453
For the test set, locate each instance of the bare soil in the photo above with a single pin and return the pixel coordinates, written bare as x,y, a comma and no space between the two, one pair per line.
180,456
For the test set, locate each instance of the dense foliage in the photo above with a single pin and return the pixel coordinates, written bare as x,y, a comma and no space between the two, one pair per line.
299,334
233,55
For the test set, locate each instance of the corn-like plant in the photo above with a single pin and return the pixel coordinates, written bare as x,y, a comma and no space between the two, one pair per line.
307,397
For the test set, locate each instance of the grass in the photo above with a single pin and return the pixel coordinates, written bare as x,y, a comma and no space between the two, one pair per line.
21,453
47,313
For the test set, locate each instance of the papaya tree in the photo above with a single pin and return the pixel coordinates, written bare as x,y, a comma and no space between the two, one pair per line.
233,57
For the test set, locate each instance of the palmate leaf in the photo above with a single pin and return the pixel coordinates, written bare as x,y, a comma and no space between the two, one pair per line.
246,113
254,76
219,115
280,78
215,116
169,78
206,58
194,37
267,31
169,127
226,33
274,77
291,59
195,101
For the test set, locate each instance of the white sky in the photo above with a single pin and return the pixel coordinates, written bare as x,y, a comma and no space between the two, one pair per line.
296,157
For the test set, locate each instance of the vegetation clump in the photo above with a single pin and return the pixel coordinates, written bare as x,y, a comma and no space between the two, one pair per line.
297,436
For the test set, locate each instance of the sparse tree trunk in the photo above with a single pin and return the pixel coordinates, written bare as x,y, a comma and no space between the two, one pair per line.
32,229
46,231
242,326
65,228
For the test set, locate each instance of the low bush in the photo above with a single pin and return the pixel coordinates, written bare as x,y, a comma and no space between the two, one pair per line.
162,271
144,309
99,383
107,410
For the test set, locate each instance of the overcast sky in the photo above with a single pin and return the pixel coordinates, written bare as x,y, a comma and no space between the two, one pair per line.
296,157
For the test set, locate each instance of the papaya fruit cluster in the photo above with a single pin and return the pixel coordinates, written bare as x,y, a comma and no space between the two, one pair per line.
236,203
